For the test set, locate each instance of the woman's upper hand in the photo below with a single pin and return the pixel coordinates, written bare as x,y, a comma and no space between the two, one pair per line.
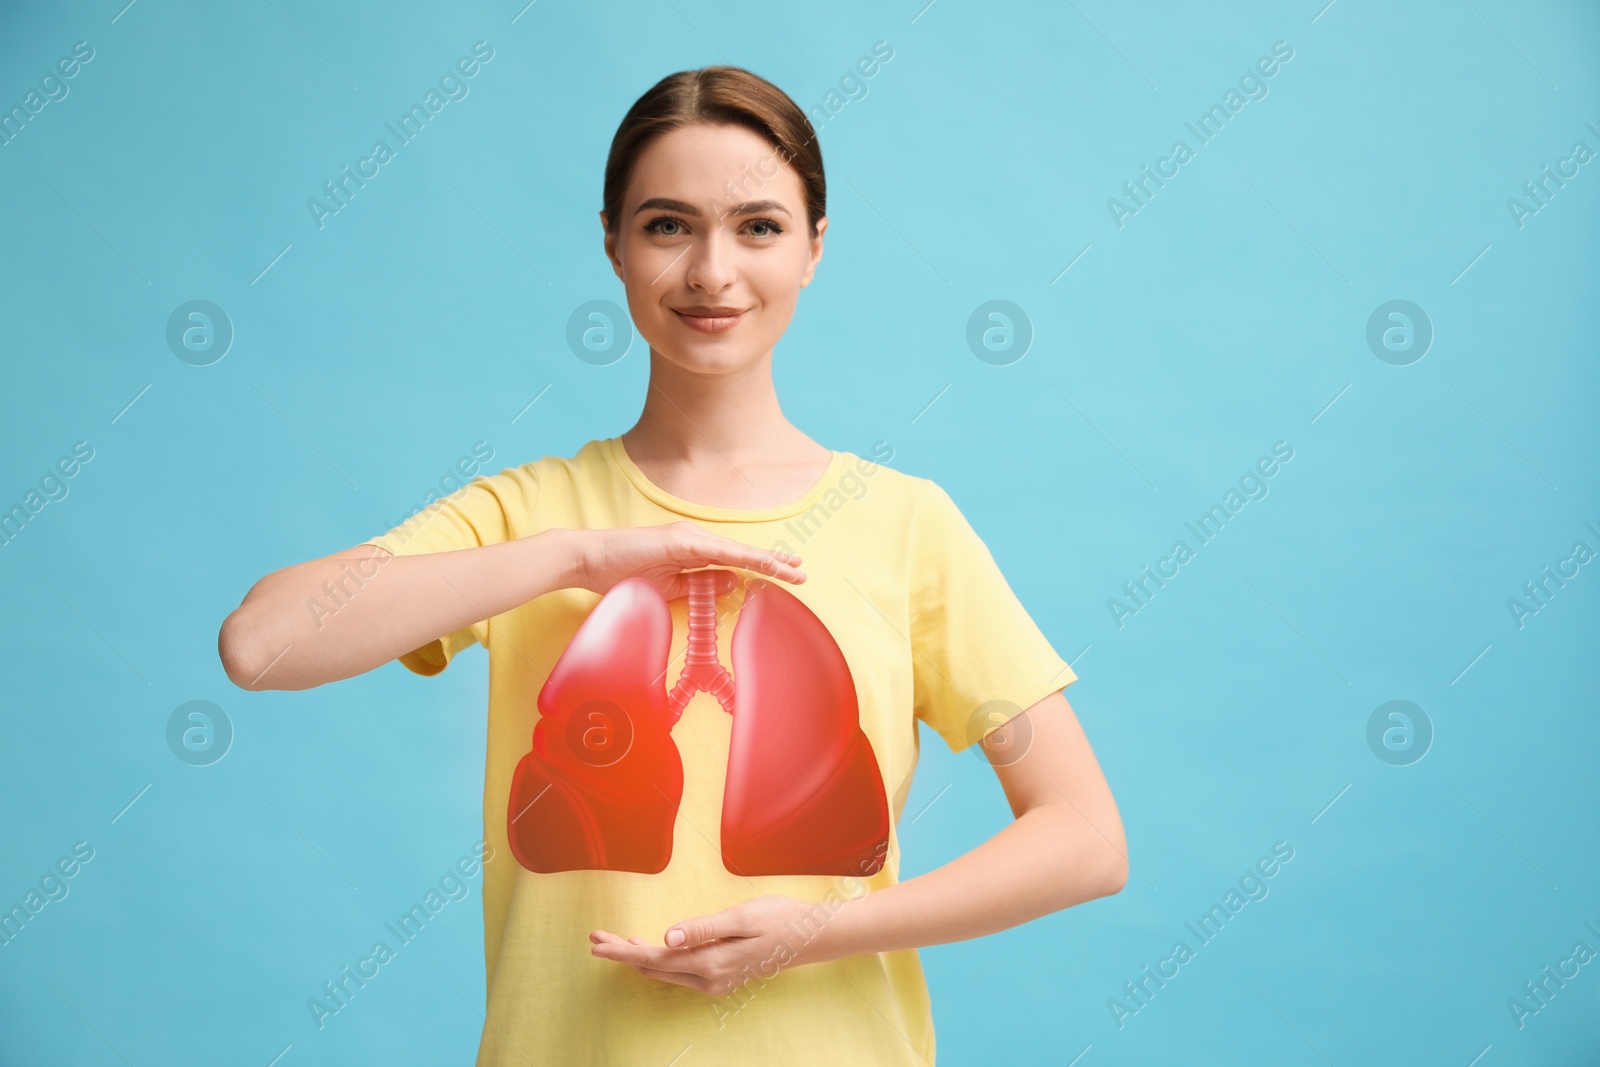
661,555
717,954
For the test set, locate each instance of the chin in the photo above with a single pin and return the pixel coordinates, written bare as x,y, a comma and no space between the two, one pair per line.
693,350
720,361
716,357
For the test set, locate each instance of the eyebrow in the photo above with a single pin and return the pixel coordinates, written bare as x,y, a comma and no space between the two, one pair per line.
749,207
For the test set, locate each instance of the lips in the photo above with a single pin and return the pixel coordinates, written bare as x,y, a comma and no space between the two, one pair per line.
709,319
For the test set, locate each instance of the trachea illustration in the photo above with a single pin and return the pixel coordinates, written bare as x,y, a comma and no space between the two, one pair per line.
600,787
701,671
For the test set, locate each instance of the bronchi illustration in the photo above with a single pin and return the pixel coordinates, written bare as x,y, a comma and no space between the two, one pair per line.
599,788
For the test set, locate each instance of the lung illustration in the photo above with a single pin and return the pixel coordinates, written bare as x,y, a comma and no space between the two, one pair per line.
804,794
601,785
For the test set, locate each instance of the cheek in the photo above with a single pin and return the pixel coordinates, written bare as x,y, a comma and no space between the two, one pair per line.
644,310
642,261
777,276
649,272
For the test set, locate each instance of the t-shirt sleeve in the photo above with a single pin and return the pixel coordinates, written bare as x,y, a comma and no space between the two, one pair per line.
978,658
475,515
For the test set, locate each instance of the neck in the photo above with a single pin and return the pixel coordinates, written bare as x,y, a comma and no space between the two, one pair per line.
693,417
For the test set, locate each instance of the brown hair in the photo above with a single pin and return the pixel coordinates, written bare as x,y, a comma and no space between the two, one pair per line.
718,95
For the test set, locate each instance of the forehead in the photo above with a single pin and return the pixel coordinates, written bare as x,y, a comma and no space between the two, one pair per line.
702,161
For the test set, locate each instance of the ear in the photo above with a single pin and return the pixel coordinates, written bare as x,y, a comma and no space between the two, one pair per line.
816,252
611,246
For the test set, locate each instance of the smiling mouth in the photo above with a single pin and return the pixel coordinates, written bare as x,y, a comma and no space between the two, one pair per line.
710,320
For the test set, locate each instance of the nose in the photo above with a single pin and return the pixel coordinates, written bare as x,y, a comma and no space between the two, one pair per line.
711,266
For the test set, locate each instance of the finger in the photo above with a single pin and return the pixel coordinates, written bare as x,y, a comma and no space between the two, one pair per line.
683,978
707,928
770,562
601,937
772,567
778,565
644,967
728,550
639,953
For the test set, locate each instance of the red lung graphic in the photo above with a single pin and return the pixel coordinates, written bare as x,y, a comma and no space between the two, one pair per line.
804,794
601,785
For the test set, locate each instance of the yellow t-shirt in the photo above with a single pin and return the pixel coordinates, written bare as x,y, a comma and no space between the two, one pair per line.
930,631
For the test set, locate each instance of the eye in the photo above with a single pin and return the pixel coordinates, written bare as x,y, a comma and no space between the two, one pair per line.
674,226
772,227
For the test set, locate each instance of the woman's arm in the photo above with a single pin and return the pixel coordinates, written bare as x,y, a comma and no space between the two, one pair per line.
344,614
1065,846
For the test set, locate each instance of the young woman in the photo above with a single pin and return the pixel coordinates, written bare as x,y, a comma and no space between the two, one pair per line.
626,928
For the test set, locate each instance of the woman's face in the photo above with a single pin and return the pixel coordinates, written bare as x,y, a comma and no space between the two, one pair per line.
713,246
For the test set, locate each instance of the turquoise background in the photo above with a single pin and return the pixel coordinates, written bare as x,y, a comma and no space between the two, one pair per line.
1229,313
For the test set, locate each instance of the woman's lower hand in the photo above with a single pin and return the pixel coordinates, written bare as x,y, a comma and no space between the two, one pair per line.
661,555
718,953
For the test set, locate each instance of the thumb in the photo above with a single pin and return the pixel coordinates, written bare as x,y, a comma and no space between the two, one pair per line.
692,932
